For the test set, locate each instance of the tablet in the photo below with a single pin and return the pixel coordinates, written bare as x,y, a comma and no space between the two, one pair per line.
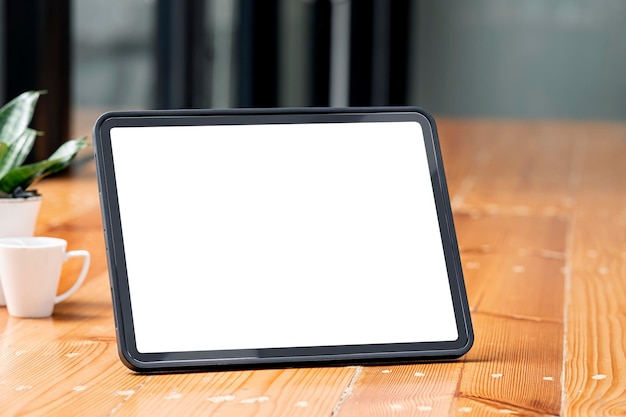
253,238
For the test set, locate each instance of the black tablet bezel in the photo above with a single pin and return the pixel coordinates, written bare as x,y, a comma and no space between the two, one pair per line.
168,361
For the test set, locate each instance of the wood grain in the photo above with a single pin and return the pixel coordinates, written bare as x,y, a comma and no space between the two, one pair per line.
404,390
508,260
297,392
596,316
540,212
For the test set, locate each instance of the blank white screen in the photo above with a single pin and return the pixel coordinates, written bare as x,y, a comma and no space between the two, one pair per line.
286,235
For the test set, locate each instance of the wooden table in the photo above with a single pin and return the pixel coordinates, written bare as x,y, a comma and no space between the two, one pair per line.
540,211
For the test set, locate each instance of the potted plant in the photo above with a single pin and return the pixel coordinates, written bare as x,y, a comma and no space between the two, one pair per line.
19,204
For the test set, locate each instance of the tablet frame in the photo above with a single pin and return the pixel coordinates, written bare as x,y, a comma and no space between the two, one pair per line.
274,357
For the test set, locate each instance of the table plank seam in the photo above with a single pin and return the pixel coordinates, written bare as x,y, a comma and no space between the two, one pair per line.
567,285
458,392
348,391
503,405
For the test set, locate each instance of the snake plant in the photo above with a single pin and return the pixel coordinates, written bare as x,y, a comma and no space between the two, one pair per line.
16,142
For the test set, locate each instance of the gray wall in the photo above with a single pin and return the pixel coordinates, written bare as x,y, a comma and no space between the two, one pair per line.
520,58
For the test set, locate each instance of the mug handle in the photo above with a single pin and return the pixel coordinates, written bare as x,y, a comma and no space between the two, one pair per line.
81,277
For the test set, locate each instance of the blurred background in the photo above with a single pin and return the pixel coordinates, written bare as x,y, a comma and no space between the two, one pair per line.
537,59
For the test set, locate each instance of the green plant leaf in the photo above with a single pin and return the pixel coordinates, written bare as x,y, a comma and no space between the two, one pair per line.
23,176
17,152
66,153
4,148
15,116
27,175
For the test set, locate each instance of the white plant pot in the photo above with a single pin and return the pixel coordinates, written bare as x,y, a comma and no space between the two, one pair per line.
18,217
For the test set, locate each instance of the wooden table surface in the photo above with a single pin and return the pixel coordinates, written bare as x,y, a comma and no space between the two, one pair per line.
540,212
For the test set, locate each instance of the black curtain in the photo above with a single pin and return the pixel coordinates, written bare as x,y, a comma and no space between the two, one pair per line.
36,56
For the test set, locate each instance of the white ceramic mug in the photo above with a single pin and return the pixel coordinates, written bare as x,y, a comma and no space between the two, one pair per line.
30,269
